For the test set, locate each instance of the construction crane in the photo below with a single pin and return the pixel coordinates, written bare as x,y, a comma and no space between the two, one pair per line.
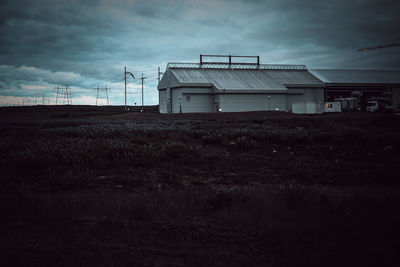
377,47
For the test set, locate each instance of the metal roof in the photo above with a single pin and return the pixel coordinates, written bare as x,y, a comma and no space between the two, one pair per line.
243,79
227,79
357,76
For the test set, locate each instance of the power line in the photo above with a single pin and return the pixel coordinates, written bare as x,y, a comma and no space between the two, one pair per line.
119,80
144,70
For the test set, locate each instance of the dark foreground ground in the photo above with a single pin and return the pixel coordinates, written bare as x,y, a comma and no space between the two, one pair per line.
92,186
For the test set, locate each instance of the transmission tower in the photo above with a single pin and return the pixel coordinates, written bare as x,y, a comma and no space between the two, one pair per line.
44,99
65,93
57,89
98,89
36,98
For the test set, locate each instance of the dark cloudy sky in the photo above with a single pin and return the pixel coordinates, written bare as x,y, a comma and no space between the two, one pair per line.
87,43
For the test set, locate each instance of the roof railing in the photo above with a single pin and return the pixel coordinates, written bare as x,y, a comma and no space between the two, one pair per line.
230,60
244,66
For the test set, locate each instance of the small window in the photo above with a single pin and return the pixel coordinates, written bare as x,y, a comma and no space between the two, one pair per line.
329,106
188,98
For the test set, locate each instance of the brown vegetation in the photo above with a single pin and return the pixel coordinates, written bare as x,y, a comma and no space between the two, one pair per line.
96,186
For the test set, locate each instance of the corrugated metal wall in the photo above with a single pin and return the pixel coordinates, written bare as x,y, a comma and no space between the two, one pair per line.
304,95
194,100
252,102
162,100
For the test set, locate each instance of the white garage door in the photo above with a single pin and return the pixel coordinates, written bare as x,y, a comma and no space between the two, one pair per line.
192,103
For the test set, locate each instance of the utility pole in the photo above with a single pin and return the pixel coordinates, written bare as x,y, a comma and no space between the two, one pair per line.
159,75
125,85
125,72
142,89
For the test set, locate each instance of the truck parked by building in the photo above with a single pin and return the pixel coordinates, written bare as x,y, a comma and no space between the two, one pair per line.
379,104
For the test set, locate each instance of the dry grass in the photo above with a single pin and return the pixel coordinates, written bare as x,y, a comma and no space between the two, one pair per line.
254,189
283,226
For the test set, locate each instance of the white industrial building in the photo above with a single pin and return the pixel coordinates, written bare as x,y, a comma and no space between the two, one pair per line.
236,87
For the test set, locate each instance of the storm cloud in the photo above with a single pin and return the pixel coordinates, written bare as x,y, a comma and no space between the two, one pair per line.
87,43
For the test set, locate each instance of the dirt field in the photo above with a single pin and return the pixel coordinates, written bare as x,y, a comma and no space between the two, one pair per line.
94,186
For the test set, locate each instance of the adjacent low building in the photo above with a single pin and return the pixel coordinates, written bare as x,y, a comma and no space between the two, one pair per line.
362,85
239,87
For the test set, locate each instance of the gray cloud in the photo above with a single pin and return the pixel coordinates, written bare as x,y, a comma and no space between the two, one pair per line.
95,39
